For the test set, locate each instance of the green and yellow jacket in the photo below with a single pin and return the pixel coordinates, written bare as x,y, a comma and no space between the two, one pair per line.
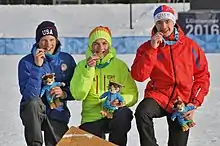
89,83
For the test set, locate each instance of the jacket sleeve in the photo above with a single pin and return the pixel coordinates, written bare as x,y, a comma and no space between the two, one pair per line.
201,77
42,92
120,98
104,95
66,88
82,80
59,84
129,92
30,81
174,115
143,62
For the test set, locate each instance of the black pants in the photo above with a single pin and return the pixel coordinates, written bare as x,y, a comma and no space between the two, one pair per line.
35,120
117,127
145,112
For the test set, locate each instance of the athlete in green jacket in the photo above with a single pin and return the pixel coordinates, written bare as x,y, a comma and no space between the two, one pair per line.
92,76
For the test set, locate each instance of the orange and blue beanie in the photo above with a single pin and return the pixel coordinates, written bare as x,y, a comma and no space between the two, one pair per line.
164,12
98,33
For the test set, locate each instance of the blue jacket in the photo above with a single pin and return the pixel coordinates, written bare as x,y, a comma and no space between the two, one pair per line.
30,79
179,115
46,90
110,98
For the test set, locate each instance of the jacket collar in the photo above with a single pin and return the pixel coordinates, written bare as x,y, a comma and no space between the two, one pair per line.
49,57
175,37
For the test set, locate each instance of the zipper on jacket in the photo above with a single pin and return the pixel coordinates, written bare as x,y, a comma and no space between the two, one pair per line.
105,83
174,74
100,77
101,80
50,67
97,84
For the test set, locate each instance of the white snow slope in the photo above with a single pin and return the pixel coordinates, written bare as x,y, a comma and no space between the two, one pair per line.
206,133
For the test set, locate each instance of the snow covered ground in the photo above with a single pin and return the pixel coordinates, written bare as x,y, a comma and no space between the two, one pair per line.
77,23
206,133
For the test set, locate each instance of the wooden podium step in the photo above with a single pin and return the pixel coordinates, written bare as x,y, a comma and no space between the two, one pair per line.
77,137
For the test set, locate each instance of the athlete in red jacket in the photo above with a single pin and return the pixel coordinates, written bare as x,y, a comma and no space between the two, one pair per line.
176,66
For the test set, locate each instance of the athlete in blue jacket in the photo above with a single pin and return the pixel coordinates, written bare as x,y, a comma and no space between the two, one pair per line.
35,113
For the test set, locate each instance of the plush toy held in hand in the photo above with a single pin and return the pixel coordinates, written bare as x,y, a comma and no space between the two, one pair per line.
49,83
113,99
179,109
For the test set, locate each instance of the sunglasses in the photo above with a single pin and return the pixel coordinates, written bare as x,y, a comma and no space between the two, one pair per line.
48,76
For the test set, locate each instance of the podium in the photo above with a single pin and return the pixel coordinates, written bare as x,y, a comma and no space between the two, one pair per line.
77,137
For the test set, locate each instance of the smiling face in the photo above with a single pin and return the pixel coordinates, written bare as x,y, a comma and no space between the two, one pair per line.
166,26
48,79
114,89
179,105
100,47
48,43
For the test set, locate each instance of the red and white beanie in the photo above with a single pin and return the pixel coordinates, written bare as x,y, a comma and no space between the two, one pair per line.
164,12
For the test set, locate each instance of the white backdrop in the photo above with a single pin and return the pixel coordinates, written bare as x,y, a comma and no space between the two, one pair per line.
78,20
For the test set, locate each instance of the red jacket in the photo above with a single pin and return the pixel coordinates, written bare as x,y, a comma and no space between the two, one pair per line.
174,70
